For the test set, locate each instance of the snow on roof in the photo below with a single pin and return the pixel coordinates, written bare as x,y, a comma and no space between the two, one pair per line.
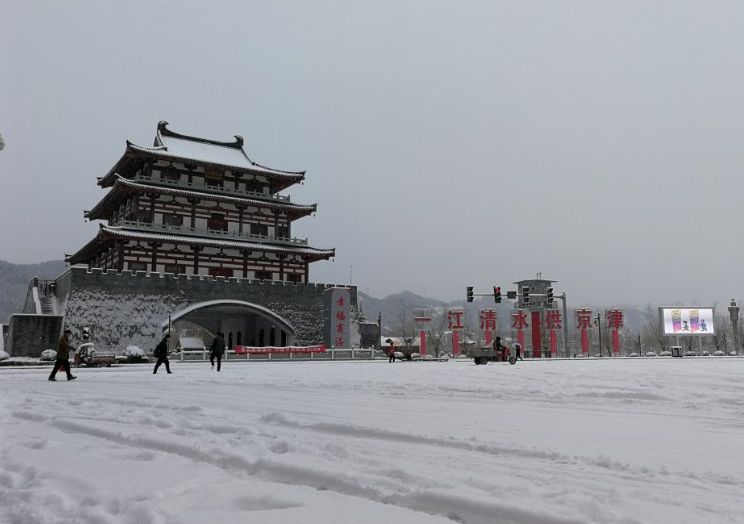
208,152
135,234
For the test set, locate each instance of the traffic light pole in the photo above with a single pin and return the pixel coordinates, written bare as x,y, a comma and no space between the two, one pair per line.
565,326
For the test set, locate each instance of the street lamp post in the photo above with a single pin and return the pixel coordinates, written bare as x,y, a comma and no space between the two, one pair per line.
734,315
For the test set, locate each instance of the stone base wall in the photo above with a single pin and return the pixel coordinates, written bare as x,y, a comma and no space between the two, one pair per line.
128,308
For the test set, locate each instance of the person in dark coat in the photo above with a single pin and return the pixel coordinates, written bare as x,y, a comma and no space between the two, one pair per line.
518,349
217,349
161,353
63,356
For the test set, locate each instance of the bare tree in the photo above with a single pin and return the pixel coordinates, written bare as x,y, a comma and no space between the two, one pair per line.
405,325
437,332
652,331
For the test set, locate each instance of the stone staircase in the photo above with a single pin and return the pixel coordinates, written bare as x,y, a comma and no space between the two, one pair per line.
48,304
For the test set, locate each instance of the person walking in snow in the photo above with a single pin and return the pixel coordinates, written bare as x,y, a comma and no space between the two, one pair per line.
161,353
63,356
392,352
217,349
518,351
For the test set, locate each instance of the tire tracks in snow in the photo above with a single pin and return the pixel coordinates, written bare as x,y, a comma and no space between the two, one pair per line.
459,508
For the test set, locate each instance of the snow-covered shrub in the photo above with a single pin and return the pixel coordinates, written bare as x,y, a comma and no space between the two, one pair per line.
4,355
48,354
134,351
134,354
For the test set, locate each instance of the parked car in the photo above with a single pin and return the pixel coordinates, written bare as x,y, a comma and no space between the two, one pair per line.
665,354
634,355
650,354
720,353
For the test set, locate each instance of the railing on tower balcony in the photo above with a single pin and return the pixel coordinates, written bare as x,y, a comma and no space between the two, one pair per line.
213,233
200,185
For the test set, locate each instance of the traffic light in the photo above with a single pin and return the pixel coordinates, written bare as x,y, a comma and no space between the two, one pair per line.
525,294
470,293
550,295
497,294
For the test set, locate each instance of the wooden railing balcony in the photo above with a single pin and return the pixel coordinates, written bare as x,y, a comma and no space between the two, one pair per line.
212,233
200,185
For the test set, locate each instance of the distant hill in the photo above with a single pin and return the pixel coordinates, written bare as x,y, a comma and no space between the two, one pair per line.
14,283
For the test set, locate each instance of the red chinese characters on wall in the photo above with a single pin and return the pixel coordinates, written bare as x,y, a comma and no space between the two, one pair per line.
340,331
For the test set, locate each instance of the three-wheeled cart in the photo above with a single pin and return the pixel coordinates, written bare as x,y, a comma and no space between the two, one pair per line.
484,355
85,355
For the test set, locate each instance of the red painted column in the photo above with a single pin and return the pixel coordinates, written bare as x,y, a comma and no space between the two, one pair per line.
520,339
615,341
422,342
455,343
536,347
553,344
488,337
584,342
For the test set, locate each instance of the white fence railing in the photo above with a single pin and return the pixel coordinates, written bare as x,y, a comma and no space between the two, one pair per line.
331,354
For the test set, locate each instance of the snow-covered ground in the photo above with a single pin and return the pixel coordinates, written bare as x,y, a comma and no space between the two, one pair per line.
622,441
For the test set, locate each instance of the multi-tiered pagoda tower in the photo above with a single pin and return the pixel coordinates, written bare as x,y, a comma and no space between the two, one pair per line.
197,238
194,206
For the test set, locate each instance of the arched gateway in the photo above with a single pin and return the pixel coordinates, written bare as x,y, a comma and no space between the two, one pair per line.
243,323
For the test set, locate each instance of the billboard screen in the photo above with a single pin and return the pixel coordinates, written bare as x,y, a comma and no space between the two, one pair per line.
687,321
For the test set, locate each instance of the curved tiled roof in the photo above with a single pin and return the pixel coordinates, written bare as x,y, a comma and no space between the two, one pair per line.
170,145
134,234
121,182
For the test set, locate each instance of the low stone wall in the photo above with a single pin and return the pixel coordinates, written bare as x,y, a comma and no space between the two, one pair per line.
29,335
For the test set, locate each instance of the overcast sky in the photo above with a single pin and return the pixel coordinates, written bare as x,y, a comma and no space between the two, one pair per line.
445,143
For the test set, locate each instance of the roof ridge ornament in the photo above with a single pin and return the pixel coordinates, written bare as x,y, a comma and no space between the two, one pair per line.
164,131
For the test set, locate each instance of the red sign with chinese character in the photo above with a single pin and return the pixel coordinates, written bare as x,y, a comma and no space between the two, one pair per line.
583,318
340,330
455,318
584,322
519,319
615,318
487,320
553,319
